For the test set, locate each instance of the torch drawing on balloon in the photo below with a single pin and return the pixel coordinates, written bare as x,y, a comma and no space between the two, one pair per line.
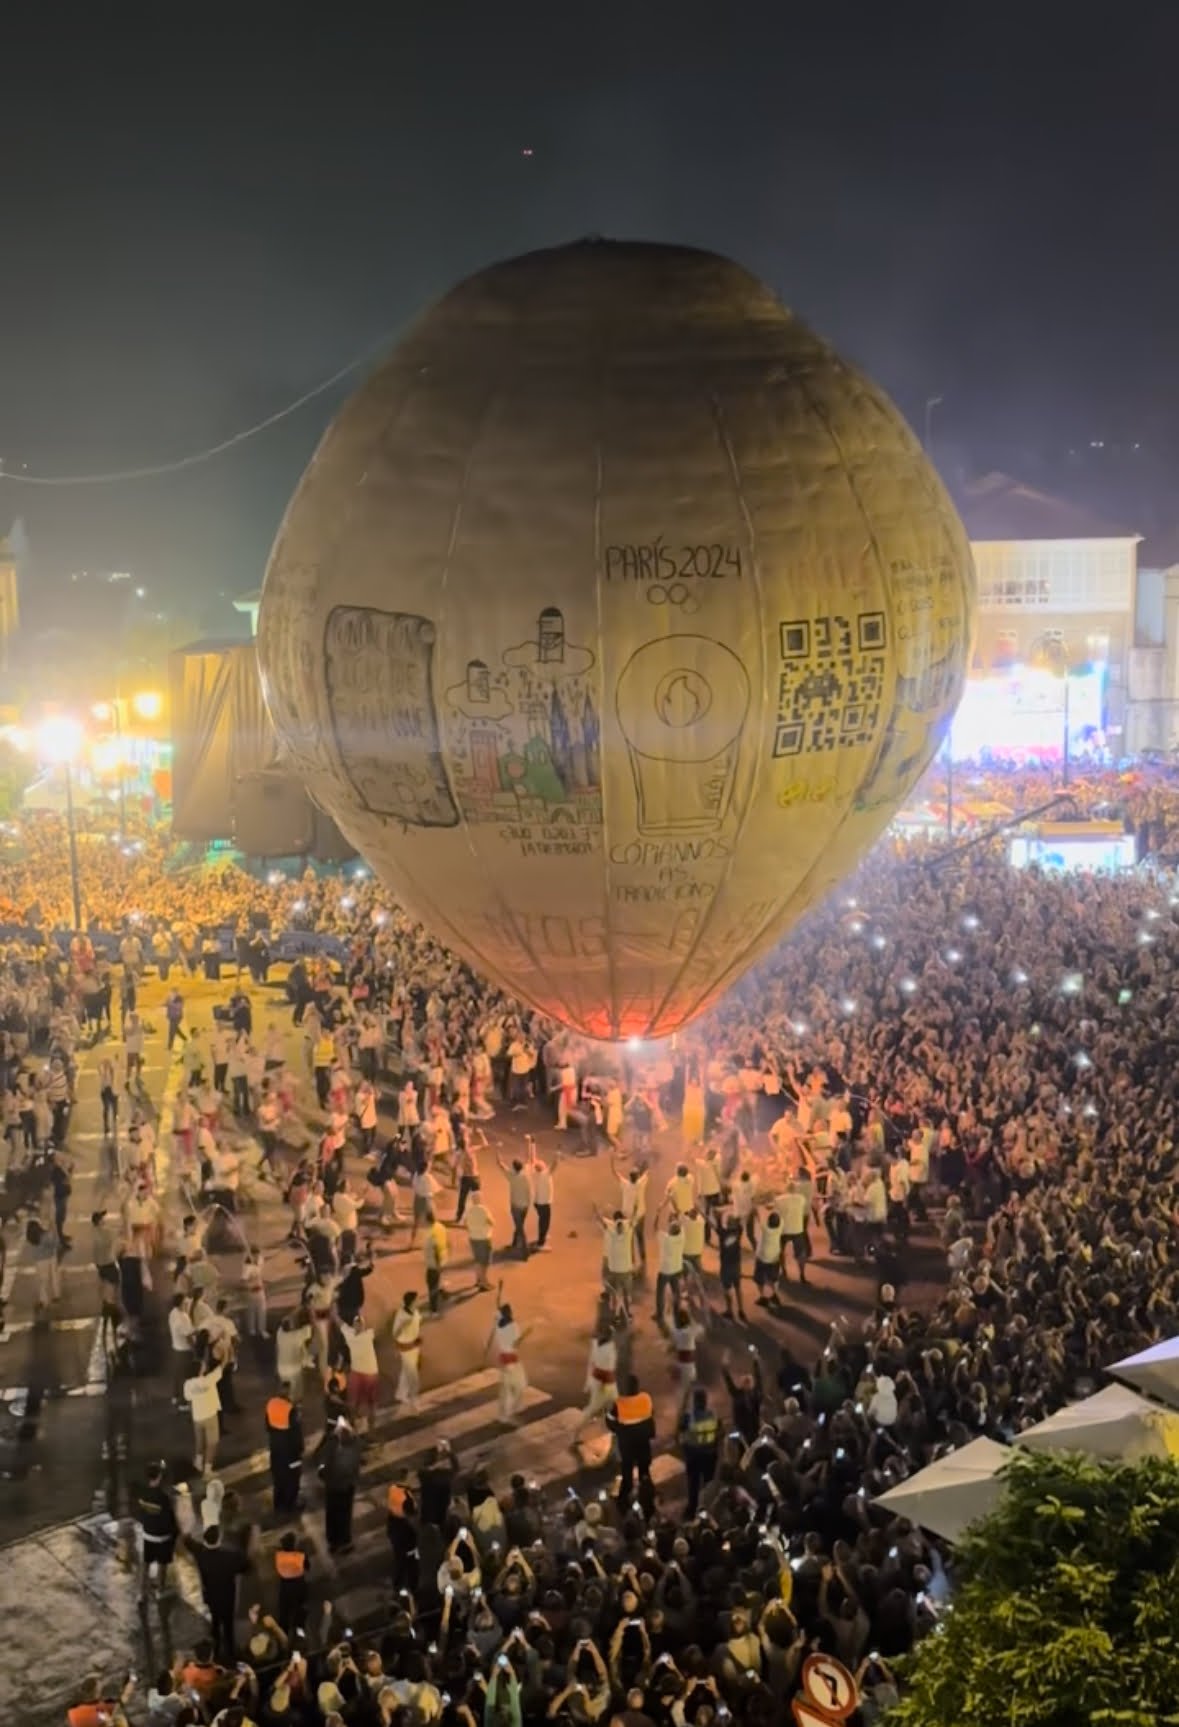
682,703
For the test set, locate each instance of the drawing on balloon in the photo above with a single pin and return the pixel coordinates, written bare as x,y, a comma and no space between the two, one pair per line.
525,741
682,704
378,676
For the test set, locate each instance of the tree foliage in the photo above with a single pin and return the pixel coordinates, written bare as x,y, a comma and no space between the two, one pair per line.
1066,1606
16,772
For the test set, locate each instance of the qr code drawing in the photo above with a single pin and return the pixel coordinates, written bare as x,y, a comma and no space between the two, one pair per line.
831,682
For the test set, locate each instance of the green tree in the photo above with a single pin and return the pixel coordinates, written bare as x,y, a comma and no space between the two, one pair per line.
1066,1605
16,772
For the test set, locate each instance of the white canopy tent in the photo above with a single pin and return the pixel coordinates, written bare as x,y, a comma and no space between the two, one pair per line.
947,1496
1115,1423
1153,1371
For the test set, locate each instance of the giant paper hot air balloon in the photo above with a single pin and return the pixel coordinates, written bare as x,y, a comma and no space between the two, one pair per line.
612,620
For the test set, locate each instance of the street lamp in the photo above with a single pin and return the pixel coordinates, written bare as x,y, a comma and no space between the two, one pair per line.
59,741
148,704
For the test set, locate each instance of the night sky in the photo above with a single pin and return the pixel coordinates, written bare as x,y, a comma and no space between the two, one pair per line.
208,209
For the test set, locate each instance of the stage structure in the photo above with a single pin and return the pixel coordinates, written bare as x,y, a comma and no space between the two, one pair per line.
228,781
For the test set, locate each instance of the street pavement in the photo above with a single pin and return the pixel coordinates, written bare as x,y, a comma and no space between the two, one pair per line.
61,1499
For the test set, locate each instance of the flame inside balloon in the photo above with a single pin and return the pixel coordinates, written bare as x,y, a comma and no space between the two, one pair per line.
683,697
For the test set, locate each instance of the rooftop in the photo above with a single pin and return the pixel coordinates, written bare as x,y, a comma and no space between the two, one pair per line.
997,507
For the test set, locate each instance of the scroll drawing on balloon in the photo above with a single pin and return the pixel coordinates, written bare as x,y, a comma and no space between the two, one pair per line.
378,677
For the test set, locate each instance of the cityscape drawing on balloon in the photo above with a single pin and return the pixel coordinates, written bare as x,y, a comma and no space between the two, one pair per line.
524,741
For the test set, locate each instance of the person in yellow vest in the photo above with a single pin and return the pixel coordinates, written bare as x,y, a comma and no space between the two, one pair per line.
435,1253
402,1530
407,1336
699,1436
323,1059
284,1433
290,1567
632,1421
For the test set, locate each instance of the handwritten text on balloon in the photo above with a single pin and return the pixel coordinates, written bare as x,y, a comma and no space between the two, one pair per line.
658,562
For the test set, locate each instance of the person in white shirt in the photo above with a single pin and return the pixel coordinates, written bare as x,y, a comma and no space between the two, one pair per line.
505,1339
899,1184
882,1408
709,1188
203,1398
480,1226
693,1222
618,1250
423,1188
180,1332
366,1115
363,1375
681,1189
669,1243
321,1298
684,1334
767,1261
542,1197
875,1207
519,1201
601,1380
745,1205
292,1343
633,1203
793,1207
407,1106
407,1338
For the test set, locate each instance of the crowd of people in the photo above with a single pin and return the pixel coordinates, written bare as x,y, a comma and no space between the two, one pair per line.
950,1049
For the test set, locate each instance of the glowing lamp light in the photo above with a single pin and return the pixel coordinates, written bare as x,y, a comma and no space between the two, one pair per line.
148,704
634,1043
360,873
106,755
879,941
799,1028
1082,1061
380,917
953,955
851,904
908,986
1153,914
1145,939
102,711
1072,983
274,877
59,739
1090,1110
299,905
847,1005
347,902
1019,978
970,921
856,926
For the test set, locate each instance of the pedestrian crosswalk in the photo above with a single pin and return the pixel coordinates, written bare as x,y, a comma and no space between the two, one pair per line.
539,1446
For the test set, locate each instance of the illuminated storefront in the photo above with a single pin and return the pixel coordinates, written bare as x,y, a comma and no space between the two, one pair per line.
1022,714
